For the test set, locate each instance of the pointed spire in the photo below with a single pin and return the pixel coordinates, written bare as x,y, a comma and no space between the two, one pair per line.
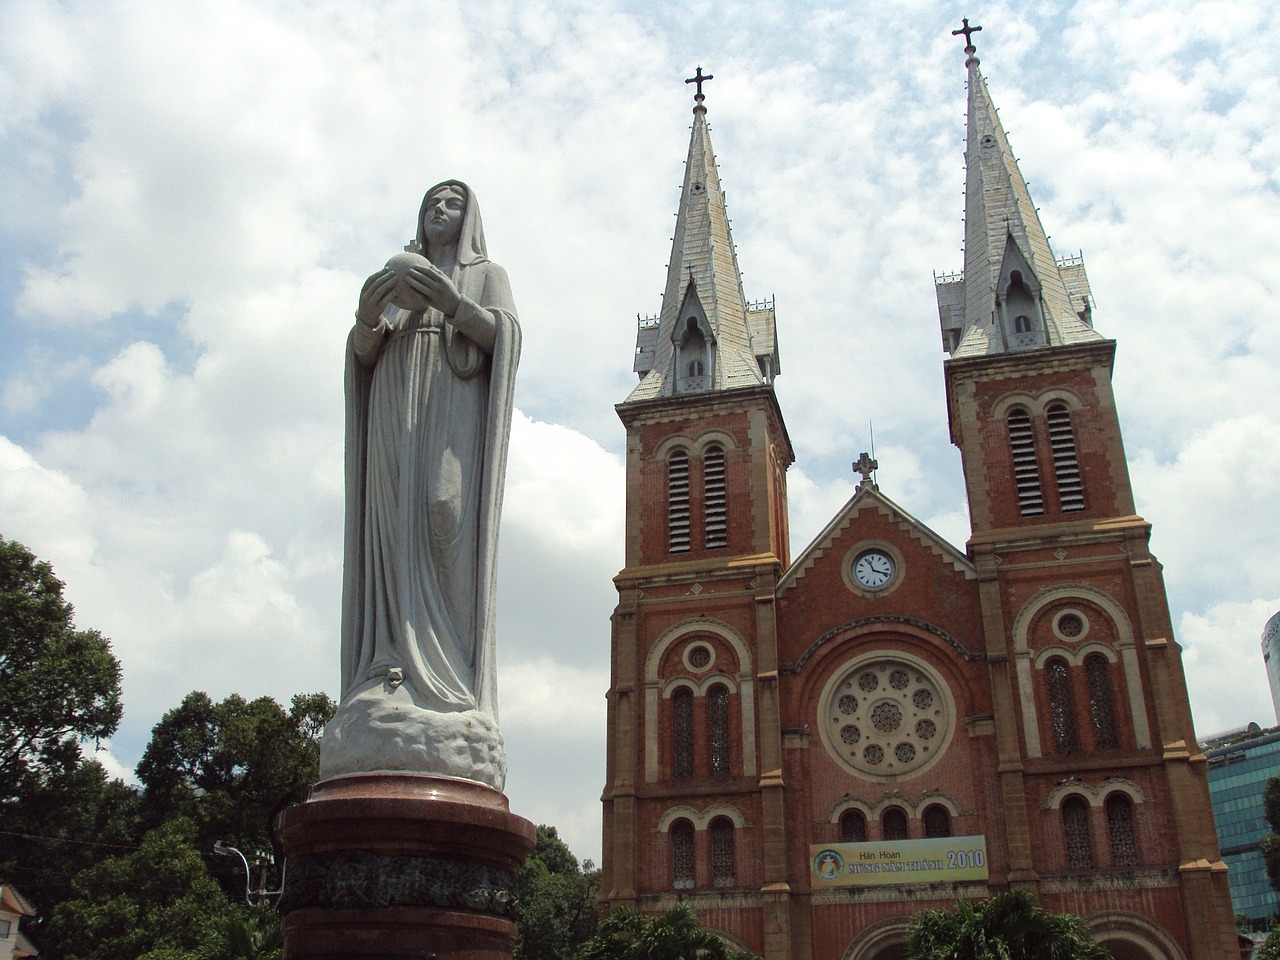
707,337
1014,295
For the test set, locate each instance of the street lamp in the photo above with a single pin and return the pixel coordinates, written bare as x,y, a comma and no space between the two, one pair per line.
225,850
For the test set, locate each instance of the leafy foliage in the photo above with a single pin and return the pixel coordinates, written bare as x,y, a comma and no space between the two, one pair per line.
1270,843
233,767
677,934
1009,926
159,897
557,900
1270,949
60,685
248,934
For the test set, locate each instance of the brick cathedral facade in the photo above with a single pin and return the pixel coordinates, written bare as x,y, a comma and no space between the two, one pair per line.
1019,704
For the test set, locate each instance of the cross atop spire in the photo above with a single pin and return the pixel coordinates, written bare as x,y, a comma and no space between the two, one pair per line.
968,32
866,466
699,79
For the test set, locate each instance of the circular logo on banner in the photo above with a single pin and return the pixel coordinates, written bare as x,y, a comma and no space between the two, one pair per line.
828,864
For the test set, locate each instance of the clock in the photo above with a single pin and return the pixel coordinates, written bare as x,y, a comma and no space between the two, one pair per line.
873,569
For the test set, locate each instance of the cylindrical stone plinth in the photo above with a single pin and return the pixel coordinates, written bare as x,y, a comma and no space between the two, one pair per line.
401,865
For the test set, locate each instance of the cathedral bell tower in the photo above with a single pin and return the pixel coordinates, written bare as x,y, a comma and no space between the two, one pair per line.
693,729
1087,679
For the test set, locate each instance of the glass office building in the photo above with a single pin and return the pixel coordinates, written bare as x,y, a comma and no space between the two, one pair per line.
1239,768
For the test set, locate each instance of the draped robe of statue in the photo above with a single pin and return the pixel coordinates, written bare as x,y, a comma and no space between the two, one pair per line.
428,414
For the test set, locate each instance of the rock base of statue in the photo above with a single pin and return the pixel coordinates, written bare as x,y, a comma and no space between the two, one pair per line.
401,865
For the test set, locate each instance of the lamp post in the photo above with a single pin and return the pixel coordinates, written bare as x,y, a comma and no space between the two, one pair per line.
262,893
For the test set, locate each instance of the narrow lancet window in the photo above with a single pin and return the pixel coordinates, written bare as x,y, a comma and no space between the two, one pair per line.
722,852
1075,833
1120,832
678,502
682,855
718,730
937,821
682,733
1066,466
1026,472
1061,707
893,825
714,501
1097,672
853,827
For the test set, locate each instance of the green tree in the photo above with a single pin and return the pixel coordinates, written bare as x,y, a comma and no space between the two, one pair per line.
252,933
557,898
233,767
1270,843
677,934
58,685
156,901
1009,926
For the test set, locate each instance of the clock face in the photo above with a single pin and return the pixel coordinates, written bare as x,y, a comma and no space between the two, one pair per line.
873,569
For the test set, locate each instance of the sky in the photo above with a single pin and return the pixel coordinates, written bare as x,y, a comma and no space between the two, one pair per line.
194,193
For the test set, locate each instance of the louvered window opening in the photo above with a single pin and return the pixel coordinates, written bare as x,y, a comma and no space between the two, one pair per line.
937,822
682,733
682,855
714,499
1061,709
718,730
678,502
1123,837
1026,472
1075,832
853,827
722,852
1097,672
894,824
1066,467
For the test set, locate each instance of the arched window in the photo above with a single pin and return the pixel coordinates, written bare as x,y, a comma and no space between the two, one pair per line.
1120,831
1022,324
893,825
718,742
1026,472
937,821
1061,708
1075,833
1066,468
722,852
682,733
853,827
678,502
1097,672
682,855
695,368
714,500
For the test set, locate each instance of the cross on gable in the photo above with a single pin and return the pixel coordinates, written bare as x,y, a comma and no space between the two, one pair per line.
865,466
699,79
968,32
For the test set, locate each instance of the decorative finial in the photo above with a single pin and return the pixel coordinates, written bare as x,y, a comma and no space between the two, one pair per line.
699,79
968,32
865,466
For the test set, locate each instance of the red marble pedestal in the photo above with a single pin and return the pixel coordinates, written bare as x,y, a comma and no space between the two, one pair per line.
401,865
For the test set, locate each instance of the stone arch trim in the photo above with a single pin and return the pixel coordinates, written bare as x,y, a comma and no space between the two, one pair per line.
875,939
671,444
1133,930
859,625
1000,409
700,687
1095,796
1075,657
701,820
848,803
742,683
1061,395
718,437
1125,649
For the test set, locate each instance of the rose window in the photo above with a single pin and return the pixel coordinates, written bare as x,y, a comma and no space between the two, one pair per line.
887,718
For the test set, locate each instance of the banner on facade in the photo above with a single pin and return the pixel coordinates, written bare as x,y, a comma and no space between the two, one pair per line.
936,860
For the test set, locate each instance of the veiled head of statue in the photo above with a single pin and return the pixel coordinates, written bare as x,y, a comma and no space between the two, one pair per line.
451,214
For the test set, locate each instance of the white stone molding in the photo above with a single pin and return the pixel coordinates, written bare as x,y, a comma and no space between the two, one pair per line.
701,820
1096,796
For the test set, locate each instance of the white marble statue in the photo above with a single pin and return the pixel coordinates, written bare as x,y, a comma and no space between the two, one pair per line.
430,375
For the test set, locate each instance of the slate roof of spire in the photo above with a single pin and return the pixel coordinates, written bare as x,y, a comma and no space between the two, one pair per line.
703,256
999,213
